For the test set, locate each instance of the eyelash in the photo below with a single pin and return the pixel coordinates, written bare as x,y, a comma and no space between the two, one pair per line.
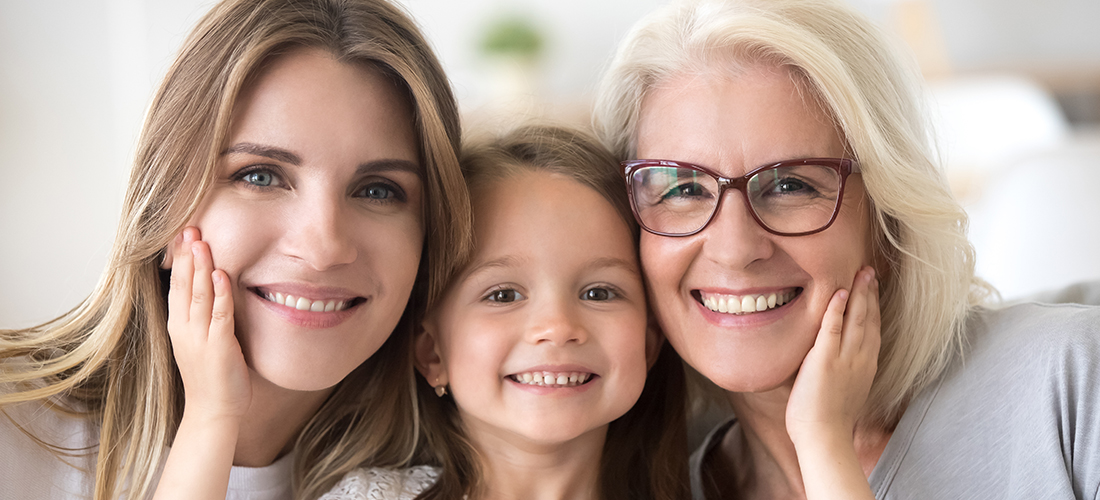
615,292
240,175
397,194
495,291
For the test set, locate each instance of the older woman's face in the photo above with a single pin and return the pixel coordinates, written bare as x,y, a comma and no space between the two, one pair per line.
733,123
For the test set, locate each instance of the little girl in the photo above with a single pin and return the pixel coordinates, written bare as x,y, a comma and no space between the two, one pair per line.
535,362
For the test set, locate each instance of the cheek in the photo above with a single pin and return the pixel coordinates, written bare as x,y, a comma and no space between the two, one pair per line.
665,262
237,233
393,248
473,351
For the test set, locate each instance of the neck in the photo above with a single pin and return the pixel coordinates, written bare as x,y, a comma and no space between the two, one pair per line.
274,420
517,468
764,458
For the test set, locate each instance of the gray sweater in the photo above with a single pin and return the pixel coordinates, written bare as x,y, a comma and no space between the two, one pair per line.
1016,417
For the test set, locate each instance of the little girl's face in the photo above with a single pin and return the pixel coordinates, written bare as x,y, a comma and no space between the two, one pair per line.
543,338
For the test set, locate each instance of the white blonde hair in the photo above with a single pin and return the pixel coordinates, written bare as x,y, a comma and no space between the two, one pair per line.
872,95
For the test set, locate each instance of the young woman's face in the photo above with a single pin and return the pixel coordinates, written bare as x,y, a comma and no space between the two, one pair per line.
543,338
733,123
316,217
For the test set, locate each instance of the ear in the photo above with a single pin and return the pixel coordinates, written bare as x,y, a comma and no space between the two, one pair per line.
654,341
166,258
429,362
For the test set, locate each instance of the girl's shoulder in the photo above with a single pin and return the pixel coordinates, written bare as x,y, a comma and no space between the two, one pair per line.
383,484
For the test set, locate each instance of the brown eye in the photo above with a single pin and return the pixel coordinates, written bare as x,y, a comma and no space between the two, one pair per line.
504,296
597,294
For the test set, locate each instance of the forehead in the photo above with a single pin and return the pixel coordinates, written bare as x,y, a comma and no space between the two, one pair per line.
739,118
306,97
541,214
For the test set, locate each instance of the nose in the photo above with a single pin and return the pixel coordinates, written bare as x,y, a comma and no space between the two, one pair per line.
557,323
316,232
733,238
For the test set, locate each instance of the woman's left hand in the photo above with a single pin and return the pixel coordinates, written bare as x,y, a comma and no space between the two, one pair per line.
835,378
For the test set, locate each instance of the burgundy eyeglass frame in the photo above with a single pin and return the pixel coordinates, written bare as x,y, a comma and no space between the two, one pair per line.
843,166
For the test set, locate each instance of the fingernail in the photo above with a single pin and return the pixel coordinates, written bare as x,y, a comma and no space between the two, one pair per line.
216,277
872,272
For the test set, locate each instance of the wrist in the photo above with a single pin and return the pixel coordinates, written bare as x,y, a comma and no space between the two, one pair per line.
820,435
211,422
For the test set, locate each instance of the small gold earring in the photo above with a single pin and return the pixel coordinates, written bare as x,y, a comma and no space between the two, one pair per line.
441,390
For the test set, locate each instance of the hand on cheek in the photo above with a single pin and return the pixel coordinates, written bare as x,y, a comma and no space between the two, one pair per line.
835,378
200,324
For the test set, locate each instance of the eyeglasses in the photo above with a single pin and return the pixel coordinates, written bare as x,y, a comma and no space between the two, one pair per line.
788,198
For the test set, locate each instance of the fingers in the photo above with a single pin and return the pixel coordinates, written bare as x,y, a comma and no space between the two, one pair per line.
874,320
221,317
179,291
202,288
855,321
832,325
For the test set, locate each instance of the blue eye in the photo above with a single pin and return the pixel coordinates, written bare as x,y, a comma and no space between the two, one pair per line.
378,192
381,191
259,178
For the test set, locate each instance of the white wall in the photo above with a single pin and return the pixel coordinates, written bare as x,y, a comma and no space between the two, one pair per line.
76,75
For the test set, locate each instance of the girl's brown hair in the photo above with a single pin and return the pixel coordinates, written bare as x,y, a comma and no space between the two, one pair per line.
110,360
645,453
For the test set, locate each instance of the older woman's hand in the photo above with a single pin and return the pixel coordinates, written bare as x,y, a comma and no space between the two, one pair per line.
831,387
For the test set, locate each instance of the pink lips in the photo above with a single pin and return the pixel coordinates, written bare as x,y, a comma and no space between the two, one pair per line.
727,320
590,379
307,318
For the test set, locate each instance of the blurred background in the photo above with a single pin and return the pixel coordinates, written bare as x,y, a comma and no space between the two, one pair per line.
1014,89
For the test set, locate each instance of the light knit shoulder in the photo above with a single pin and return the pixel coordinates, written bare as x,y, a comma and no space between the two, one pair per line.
383,484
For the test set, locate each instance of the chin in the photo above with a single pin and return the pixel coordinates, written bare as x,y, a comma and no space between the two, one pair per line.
753,377
298,373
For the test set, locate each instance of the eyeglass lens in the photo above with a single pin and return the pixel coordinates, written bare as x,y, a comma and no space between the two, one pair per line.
786,199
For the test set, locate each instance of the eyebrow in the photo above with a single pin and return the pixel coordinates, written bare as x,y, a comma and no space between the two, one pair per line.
614,262
389,165
274,153
510,261
284,156
503,262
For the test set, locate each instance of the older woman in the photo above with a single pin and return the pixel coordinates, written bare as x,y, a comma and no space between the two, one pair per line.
777,148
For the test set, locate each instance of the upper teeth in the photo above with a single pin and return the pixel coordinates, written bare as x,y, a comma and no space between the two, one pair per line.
551,378
743,304
304,304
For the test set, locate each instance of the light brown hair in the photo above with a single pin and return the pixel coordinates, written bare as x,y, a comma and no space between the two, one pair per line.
109,359
645,452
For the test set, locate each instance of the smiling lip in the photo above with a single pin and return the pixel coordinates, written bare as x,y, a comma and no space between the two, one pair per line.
546,379
308,306
726,308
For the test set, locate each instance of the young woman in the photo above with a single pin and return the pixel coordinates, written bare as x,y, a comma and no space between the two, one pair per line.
311,145
535,362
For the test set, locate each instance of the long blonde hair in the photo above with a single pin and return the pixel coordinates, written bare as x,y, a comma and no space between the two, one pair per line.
110,359
645,452
873,97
